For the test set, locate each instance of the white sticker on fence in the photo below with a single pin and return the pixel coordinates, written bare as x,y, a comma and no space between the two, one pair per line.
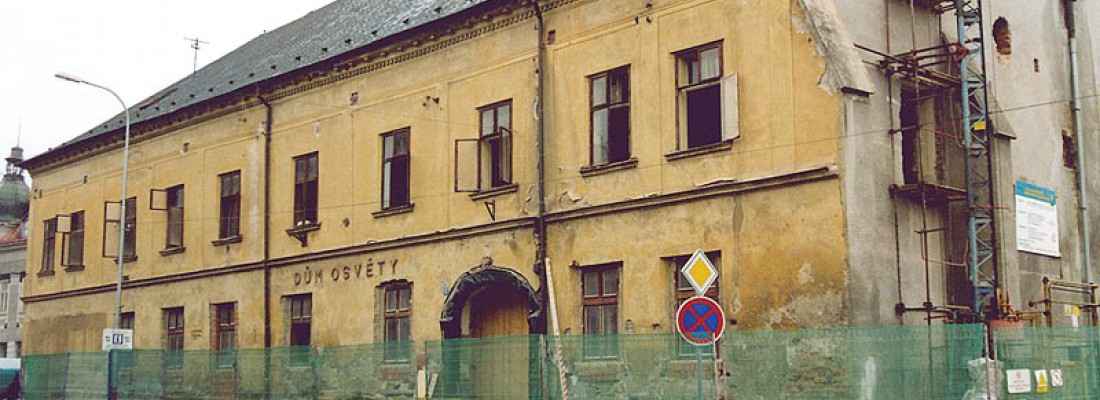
1056,378
1019,380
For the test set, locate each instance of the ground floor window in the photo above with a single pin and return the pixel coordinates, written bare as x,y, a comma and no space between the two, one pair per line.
600,288
396,313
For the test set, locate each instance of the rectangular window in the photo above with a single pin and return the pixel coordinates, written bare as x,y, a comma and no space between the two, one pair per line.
126,321
398,308
395,169
225,334
173,328
301,318
175,217
495,142
173,337
229,217
699,91
129,244
684,291
74,247
5,297
610,116
600,288
49,237
305,189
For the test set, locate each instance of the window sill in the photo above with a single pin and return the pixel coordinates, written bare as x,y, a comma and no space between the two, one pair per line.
74,268
497,191
301,232
408,208
701,150
227,240
46,273
593,170
173,250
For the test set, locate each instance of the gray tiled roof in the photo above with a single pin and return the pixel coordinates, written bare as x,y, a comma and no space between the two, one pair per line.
332,30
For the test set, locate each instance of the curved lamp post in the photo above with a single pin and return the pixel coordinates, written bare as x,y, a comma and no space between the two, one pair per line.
122,199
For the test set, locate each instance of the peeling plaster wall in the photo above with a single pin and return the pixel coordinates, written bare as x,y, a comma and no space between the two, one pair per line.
1030,105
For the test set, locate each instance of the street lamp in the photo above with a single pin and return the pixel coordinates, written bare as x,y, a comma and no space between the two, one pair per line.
122,199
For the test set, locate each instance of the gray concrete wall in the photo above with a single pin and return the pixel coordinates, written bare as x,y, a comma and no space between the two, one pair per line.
1033,106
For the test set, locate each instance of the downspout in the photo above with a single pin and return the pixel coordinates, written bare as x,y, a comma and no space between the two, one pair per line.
540,148
267,221
542,266
267,242
1082,188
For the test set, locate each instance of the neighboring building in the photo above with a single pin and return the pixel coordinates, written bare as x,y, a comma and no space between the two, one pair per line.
15,199
385,171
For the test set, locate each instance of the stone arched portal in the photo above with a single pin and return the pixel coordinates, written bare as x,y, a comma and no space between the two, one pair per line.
486,276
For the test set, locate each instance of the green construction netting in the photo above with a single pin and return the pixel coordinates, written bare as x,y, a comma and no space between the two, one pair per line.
1073,352
65,376
853,363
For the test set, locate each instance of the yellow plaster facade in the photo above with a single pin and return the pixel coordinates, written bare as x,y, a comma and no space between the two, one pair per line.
769,201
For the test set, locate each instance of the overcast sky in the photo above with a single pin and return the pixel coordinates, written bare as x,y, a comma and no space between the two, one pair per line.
135,47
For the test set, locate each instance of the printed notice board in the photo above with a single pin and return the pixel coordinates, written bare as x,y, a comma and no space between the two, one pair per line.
1036,219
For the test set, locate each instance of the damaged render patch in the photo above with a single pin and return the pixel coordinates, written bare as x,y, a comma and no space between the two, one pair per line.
814,310
844,70
805,274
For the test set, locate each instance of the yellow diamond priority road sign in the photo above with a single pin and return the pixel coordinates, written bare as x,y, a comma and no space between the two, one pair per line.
699,272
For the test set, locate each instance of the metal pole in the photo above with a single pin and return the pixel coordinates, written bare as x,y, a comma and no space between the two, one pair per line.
699,372
1078,136
122,207
122,196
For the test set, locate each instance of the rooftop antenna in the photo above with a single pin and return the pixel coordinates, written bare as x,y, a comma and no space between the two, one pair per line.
195,44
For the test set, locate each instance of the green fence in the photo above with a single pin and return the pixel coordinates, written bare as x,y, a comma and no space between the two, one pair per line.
919,362
854,363
1071,353
70,375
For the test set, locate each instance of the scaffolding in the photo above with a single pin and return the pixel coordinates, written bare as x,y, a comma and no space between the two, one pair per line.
956,70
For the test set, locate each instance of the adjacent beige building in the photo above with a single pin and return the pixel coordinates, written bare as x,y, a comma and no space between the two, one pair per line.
371,172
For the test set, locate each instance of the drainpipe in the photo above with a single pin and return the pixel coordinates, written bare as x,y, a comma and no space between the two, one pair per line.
1082,188
267,242
540,148
267,221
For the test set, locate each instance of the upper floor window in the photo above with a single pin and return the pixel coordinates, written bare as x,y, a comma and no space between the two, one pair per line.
74,246
610,111
395,169
398,309
129,244
229,216
707,103
49,238
600,288
305,189
5,297
496,144
174,235
111,221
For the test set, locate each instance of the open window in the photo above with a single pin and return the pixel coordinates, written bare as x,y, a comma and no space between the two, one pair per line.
112,217
610,116
707,102
170,200
71,226
485,163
